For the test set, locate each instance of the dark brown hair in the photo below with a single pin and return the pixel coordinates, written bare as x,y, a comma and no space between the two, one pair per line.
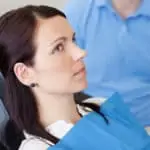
16,45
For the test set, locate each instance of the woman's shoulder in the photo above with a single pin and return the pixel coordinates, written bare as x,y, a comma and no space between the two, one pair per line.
33,143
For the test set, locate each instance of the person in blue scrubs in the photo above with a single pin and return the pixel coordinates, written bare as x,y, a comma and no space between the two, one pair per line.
116,36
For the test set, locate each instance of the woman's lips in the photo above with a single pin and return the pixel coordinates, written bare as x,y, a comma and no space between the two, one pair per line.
81,72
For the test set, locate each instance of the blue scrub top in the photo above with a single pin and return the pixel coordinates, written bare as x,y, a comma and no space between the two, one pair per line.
118,51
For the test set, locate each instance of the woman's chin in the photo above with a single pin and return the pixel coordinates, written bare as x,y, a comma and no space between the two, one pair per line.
81,86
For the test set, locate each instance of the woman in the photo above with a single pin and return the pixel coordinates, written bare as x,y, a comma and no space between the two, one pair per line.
42,68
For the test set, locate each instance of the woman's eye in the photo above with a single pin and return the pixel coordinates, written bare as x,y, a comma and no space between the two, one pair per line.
58,48
74,39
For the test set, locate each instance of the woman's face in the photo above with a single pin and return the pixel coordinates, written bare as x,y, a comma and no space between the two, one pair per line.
59,68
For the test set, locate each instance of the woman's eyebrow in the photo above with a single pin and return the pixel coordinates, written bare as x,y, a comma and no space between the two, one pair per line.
61,38
58,39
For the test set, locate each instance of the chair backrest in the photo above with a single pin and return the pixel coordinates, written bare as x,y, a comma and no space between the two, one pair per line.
3,113
1,86
3,119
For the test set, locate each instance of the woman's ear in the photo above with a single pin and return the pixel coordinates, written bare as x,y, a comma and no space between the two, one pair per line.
24,73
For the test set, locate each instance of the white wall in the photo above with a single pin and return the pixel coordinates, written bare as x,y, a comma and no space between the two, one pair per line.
6,5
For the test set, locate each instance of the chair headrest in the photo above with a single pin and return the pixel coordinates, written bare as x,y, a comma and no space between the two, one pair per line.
3,119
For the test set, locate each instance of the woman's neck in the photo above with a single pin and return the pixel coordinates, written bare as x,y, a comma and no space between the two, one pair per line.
57,107
126,7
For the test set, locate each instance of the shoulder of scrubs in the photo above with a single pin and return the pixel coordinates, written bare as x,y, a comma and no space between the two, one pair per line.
76,12
33,144
55,148
75,9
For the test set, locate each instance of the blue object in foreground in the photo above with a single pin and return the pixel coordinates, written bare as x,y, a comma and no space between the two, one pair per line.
123,132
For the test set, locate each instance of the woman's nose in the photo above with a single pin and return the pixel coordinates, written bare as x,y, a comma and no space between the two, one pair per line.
79,54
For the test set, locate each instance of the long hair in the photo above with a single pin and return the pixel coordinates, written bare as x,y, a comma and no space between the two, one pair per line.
2,147
17,28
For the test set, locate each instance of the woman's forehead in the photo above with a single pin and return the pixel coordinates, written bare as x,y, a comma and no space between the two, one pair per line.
53,27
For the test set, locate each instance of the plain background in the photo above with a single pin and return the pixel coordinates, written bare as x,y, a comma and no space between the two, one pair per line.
6,5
